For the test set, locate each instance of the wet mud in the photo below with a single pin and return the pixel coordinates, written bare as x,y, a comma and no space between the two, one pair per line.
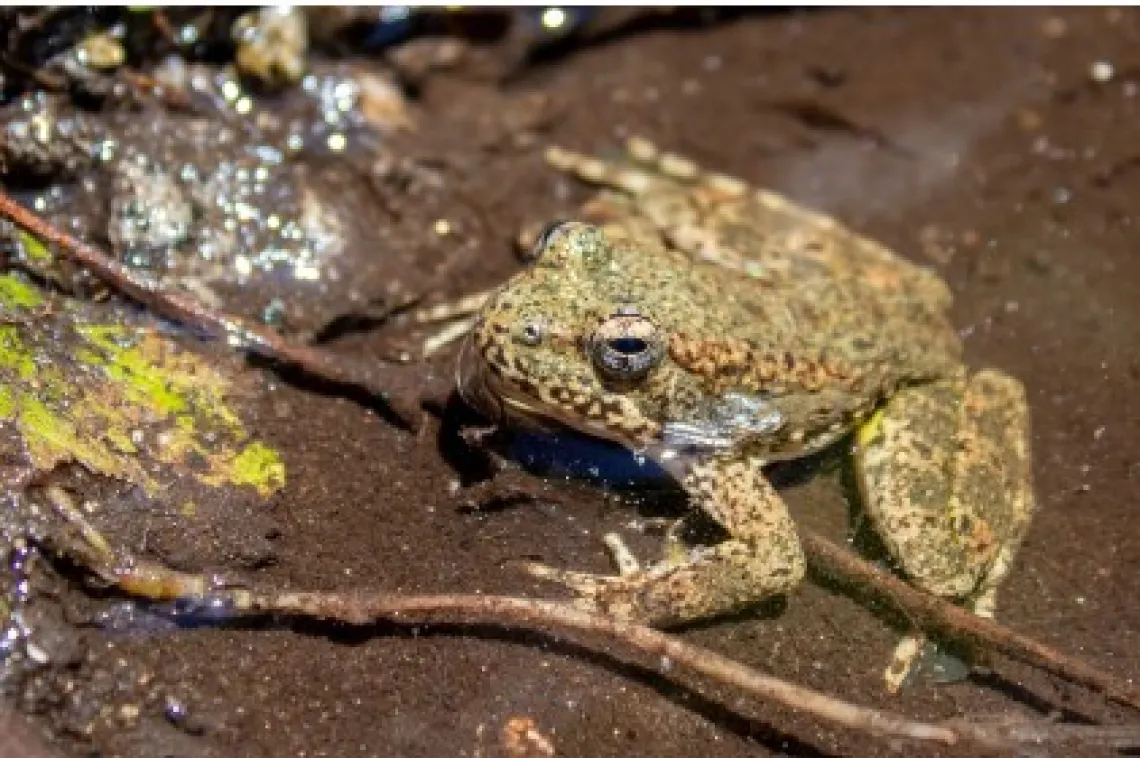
988,144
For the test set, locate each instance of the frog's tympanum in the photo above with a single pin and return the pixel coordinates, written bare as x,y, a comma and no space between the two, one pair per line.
717,327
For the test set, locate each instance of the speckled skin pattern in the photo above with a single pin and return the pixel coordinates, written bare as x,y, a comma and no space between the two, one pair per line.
718,327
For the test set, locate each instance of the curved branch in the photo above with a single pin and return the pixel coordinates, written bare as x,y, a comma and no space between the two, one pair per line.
153,581
991,734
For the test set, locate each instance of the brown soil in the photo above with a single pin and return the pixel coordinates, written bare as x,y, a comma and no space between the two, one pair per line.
972,140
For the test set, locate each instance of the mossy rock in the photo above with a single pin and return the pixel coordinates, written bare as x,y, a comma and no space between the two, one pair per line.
92,384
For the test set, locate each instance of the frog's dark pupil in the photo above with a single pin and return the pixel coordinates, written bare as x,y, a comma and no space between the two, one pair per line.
629,345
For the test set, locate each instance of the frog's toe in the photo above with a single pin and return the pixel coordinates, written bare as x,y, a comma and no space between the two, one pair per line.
628,179
572,579
916,656
622,556
613,596
903,660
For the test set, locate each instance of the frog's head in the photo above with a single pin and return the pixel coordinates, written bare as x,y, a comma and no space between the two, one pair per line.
564,341
582,338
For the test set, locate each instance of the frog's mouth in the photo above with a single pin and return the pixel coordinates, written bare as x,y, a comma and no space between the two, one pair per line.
488,393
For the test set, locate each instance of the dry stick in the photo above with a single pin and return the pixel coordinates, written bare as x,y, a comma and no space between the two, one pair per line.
362,608
930,612
157,582
369,608
236,331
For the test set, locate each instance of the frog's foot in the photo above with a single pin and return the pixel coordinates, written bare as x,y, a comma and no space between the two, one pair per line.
945,475
614,596
654,192
596,592
761,558
461,313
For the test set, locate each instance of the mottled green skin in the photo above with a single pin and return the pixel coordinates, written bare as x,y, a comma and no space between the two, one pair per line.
762,331
824,340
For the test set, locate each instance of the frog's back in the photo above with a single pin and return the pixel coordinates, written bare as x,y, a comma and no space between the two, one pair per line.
787,279
865,313
783,274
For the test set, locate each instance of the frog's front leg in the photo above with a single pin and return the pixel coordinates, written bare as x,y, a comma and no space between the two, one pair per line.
761,558
946,480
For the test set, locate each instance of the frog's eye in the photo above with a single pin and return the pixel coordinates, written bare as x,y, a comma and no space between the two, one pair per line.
625,347
547,236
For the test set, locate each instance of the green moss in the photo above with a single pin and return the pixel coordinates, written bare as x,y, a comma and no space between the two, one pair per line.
121,442
34,250
16,294
124,363
121,400
52,437
260,466
15,355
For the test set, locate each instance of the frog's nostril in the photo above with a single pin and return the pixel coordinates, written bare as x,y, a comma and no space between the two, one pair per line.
532,333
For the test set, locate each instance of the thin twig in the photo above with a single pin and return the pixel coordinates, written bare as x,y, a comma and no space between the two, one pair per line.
993,734
235,331
82,543
369,608
926,611
934,614
143,578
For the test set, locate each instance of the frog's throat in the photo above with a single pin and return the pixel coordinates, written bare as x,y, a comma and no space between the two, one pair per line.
506,403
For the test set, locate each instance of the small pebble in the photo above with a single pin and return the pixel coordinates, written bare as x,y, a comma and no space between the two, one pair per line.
1101,72
1054,27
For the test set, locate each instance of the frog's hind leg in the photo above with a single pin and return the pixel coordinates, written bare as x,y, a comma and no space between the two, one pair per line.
656,193
761,558
647,169
946,480
630,179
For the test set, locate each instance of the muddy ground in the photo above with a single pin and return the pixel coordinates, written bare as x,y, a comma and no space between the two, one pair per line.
978,142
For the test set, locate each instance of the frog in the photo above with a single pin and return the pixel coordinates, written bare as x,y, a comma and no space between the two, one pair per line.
716,328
